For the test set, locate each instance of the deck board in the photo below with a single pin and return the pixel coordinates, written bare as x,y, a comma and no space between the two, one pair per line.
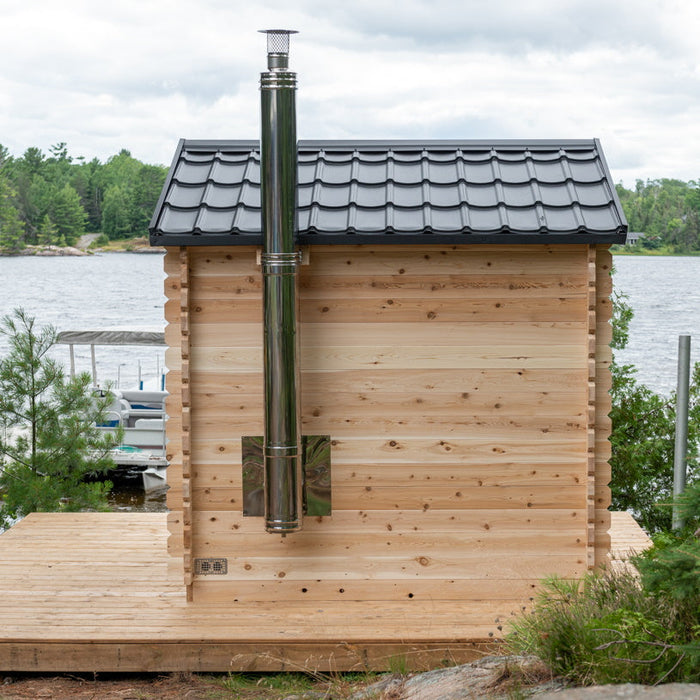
98,592
627,539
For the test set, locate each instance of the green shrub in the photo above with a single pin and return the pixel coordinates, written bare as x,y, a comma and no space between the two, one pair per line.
586,630
101,241
624,626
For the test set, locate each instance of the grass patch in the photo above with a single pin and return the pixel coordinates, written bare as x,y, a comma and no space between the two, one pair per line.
272,686
283,683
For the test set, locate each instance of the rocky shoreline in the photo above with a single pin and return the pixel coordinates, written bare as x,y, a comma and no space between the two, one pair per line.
54,251
50,251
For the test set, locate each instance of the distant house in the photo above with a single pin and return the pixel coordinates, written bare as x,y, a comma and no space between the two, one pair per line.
633,237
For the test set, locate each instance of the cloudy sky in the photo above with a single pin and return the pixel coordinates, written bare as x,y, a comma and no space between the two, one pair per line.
140,74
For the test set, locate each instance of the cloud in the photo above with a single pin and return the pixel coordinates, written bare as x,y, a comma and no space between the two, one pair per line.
141,74
508,26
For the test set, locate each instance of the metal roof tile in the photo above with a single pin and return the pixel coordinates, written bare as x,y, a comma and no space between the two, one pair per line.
234,172
185,196
487,220
544,156
561,218
371,173
585,171
306,171
408,173
598,218
483,195
177,220
215,221
443,220
523,218
408,195
189,173
557,195
513,172
334,197
441,173
373,196
222,196
337,174
305,194
408,220
443,196
480,156
593,194
246,220
371,220
333,219
334,157
200,157
479,173
440,156
397,191
371,157
519,195
549,172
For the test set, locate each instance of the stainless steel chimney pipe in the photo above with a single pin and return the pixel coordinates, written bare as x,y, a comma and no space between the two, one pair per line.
282,454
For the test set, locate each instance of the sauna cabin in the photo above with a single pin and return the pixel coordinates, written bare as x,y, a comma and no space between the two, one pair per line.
388,374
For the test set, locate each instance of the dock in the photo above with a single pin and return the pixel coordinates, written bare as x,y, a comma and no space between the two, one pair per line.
97,592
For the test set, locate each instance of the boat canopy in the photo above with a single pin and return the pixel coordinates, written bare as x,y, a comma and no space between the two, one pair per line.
108,336
112,336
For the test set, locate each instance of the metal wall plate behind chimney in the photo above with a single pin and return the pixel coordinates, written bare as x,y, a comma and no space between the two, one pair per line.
316,455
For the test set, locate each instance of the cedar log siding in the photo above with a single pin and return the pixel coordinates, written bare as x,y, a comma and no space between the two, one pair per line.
465,389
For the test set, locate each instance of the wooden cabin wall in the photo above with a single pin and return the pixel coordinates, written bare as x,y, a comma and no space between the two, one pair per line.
465,391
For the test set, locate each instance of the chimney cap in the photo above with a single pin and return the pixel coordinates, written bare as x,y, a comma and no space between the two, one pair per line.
278,39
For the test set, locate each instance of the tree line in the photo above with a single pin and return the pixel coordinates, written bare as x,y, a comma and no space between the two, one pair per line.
53,199
666,211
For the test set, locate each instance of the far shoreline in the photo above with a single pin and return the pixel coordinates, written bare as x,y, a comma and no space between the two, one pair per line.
141,246
129,245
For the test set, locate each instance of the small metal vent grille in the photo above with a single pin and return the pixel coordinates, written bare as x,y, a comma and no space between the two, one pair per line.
210,567
278,40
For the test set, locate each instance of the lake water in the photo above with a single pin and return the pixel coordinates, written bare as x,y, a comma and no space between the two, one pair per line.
90,293
126,289
664,293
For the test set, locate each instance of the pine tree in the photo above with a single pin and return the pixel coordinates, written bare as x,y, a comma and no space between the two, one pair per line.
48,233
11,227
49,442
68,214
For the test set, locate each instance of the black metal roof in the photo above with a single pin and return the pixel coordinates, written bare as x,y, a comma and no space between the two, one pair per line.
537,191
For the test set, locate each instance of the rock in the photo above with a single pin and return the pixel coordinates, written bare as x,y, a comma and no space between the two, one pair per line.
490,677
505,677
53,251
86,239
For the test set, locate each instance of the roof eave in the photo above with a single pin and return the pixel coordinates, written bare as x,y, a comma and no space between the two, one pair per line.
381,238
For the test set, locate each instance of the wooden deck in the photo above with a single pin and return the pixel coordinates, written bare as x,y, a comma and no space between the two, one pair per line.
627,538
97,592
